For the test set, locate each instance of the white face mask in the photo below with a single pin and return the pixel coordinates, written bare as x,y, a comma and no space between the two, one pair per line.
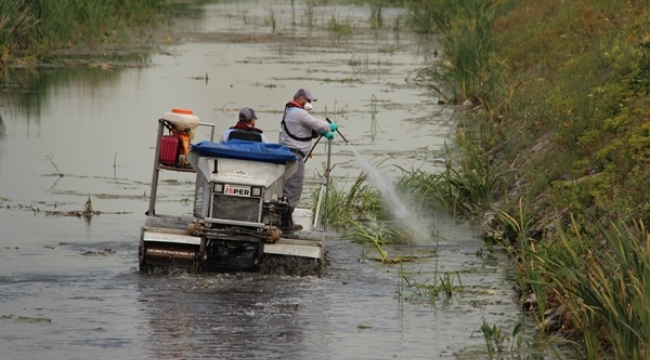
308,106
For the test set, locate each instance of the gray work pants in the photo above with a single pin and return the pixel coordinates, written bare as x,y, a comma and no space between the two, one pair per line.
293,185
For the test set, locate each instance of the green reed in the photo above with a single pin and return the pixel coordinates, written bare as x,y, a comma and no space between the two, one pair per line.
376,16
340,26
497,341
16,24
465,186
610,289
360,202
29,26
464,29
599,281
441,285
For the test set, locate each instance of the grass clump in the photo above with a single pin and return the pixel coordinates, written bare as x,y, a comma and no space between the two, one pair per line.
340,27
360,202
40,26
468,68
466,186
594,287
442,285
361,214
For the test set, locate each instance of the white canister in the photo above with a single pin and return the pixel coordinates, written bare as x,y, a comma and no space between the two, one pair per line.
302,217
183,119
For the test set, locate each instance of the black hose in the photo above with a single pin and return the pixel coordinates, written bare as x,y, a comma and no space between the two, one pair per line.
312,149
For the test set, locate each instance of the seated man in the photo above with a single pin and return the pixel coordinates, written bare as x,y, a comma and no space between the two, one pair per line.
245,128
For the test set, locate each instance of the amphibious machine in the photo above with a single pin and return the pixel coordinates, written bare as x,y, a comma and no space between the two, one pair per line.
237,205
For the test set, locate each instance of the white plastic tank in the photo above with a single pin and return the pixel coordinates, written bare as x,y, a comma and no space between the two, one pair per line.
183,119
302,217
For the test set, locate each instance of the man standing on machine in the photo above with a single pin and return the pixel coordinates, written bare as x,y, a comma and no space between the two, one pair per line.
298,130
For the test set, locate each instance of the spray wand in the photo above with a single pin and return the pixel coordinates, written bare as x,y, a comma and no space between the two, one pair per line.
326,178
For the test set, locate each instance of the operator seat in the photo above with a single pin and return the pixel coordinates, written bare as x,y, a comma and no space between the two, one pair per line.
245,135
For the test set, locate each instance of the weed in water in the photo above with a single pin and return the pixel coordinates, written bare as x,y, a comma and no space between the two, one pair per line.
361,202
376,18
445,284
465,186
272,19
309,13
465,35
373,117
340,27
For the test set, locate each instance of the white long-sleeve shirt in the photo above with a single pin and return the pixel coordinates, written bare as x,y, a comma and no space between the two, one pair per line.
300,123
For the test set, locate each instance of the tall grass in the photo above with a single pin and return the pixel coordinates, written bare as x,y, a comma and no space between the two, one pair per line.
598,284
610,288
16,25
468,68
340,27
42,25
361,202
376,16
466,185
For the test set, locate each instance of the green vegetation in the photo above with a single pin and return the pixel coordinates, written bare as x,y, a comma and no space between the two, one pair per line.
29,28
443,285
497,341
568,119
340,27
466,186
559,134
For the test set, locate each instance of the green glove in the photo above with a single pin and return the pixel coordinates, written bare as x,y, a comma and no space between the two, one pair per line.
333,127
329,135
322,133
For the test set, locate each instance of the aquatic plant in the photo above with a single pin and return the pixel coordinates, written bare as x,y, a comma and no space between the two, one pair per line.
496,340
376,18
360,202
373,117
272,19
467,68
533,274
309,13
41,25
376,236
444,284
340,27
465,186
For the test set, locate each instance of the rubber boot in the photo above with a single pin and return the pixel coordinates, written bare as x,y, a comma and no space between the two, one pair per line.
285,221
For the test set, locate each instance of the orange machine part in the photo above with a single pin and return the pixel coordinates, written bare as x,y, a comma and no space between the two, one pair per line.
182,111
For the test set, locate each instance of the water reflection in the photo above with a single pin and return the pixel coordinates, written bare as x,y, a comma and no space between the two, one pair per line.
25,92
232,317
2,127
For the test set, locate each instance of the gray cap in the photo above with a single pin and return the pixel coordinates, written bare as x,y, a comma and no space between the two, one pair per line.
304,93
247,114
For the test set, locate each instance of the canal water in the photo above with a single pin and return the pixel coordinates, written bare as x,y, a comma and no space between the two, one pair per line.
69,285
